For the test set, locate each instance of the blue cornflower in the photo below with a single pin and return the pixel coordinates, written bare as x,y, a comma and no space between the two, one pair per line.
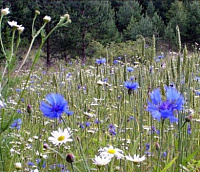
165,109
131,118
154,130
147,146
131,86
161,56
132,78
87,124
197,78
100,61
197,93
18,90
97,121
164,154
19,111
54,106
115,62
129,69
112,130
81,126
16,124
189,129
119,58
30,163
105,80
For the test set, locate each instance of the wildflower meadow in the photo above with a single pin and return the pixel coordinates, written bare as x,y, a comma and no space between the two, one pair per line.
109,114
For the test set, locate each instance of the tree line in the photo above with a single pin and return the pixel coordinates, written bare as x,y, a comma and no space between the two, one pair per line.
105,22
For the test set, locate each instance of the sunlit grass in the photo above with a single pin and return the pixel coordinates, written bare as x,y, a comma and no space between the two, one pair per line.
105,113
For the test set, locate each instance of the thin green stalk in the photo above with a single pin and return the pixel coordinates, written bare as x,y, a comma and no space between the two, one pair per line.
76,145
72,166
9,60
2,47
161,145
30,47
18,42
57,152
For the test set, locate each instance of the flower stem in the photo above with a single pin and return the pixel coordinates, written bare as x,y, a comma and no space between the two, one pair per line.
161,144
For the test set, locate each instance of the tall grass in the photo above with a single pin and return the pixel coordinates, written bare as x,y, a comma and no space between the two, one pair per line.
96,94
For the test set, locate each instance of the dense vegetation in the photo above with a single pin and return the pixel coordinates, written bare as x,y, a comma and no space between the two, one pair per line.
129,108
97,24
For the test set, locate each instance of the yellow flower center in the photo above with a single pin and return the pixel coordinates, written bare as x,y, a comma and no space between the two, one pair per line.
61,138
111,151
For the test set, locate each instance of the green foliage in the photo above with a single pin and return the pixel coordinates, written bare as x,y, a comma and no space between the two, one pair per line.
108,21
127,11
150,9
193,19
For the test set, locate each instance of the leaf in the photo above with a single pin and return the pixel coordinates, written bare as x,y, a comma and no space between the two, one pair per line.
190,157
137,141
169,164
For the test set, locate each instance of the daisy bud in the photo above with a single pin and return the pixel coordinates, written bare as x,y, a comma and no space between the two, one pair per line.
157,146
70,158
37,12
29,109
117,168
67,18
5,11
18,165
47,19
188,118
20,29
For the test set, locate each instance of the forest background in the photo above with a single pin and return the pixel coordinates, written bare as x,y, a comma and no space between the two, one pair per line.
100,25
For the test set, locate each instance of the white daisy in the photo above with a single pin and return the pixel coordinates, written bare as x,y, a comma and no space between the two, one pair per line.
47,19
135,158
18,165
13,24
111,152
20,28
60,136
5,11
101,160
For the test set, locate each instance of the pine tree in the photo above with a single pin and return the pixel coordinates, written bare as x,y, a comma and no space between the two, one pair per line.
150,9
91,20
128,10
193,19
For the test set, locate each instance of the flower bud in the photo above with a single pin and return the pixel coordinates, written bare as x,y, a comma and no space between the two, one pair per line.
45,146
157,146
67,16
47,19
188,118
20,29
18,165
29,109
37,12
70,158
5,11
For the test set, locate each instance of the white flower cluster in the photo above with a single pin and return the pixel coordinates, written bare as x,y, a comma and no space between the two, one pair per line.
13,24
107,153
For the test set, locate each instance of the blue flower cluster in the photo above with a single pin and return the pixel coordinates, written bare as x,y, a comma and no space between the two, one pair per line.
101,61
165,109
16,124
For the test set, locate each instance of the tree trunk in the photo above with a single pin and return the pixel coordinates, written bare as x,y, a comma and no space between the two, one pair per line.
83,47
